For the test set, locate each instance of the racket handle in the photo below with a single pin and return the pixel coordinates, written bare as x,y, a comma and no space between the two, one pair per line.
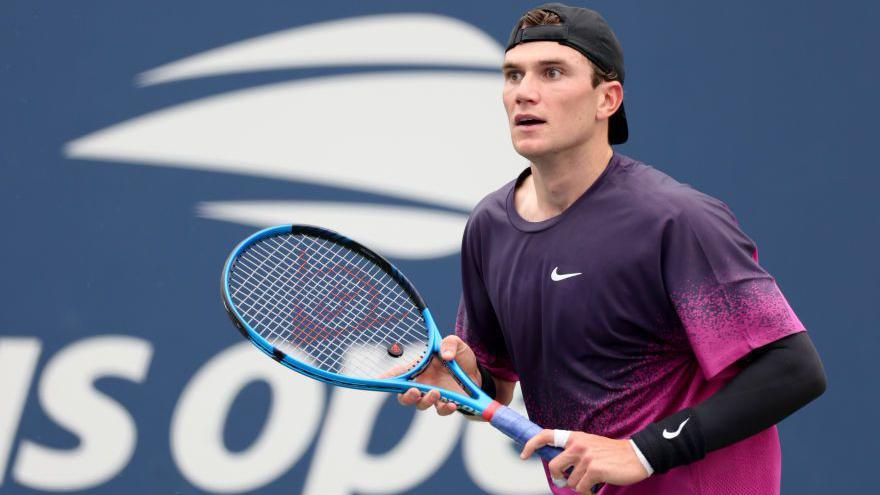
520,429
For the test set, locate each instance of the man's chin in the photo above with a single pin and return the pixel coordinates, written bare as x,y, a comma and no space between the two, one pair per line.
532,151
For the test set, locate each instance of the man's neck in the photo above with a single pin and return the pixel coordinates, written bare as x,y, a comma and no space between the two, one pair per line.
557,182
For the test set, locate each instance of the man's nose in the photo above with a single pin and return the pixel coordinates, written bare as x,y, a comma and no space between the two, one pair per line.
527,90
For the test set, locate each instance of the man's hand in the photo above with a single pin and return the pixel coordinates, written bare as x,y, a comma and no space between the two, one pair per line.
593,460
438,375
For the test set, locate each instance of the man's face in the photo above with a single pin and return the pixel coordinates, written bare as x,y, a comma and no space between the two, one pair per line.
550,101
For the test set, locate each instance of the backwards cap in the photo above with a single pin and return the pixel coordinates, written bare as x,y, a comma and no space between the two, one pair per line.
587,32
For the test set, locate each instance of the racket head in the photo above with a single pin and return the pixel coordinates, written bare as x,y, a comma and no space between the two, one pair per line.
301,294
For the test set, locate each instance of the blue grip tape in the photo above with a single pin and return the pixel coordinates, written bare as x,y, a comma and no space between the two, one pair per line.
520,429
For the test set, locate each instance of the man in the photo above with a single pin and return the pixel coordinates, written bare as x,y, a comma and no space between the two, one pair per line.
631,308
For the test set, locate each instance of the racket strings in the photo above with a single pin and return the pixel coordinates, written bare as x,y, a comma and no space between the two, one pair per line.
312,330
323,360
273,291
314,297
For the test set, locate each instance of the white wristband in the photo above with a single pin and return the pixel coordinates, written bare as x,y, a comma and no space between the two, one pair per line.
641,457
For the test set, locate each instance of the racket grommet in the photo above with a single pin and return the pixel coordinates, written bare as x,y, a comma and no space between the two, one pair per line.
395,350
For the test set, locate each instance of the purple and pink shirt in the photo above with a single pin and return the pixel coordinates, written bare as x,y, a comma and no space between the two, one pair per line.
634,303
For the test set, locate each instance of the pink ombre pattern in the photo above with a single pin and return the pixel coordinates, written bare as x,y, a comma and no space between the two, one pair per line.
726,322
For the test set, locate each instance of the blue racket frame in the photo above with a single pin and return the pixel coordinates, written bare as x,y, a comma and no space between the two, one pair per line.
475,404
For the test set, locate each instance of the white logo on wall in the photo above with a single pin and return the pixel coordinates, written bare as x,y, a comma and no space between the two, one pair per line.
438,137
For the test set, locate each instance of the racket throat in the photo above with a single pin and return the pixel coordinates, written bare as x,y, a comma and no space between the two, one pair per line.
490,410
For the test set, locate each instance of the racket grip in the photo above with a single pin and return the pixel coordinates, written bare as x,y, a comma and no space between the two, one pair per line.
520,429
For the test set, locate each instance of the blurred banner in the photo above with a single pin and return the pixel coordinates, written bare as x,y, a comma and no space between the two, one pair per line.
140,142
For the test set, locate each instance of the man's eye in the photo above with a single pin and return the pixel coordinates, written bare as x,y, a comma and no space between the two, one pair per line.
513,76
554,73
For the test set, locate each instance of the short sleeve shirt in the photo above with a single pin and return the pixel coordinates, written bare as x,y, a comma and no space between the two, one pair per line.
634,303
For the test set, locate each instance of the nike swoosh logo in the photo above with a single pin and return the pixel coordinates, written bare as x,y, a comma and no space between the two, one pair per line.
556,277
669,436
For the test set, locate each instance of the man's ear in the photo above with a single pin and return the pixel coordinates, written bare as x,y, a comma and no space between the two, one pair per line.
611,97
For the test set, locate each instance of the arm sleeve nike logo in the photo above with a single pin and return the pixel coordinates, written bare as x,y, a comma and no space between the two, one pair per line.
669,436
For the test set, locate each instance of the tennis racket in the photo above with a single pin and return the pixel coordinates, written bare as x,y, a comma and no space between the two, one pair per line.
327,307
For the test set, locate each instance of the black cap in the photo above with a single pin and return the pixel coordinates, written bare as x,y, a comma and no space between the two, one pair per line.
587,32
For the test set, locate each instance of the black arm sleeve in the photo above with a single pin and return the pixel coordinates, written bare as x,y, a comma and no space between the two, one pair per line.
777,380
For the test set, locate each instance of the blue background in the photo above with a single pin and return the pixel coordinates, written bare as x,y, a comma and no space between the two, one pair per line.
770,106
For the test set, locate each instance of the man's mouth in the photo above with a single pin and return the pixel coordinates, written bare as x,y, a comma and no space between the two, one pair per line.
528,120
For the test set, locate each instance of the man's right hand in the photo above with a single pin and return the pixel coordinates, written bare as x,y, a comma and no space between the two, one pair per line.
438,375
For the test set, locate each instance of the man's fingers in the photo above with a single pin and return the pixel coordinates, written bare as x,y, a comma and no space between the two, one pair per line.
559,465
410,397
535,443
449,347
586,484
428,400
577,473
445,408
413,397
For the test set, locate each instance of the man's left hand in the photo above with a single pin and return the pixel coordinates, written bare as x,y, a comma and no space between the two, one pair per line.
593,460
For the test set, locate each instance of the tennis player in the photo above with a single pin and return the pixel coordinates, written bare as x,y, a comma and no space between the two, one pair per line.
631,308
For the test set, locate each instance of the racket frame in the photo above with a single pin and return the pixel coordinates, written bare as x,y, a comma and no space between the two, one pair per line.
475,403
